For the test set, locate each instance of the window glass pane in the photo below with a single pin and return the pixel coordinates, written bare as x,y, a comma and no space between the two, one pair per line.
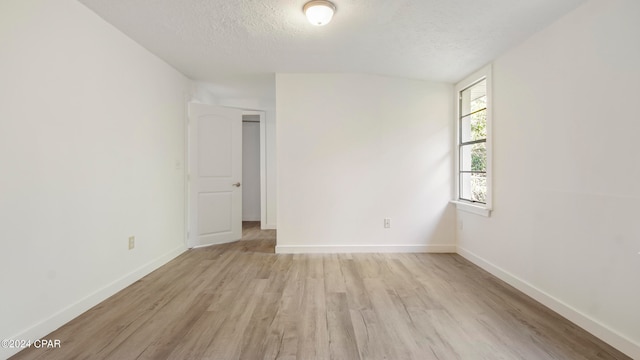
473,187
473,98
474,126
472,122
473,157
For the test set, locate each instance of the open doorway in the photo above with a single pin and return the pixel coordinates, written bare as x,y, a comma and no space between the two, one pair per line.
254,179
254,207
251,199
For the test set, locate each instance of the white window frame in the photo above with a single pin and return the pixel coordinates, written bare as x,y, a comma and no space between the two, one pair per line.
476,208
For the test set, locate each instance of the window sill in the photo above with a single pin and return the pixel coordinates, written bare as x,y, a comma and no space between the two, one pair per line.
472,208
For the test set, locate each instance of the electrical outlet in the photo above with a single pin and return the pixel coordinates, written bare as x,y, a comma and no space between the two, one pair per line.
132,242
387,223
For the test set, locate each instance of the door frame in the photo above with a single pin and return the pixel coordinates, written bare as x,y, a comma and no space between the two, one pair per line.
263,167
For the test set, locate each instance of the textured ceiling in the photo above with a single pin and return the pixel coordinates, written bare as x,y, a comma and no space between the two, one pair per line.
246,41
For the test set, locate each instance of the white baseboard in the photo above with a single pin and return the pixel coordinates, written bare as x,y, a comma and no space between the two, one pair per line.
72,311
331,249
601,331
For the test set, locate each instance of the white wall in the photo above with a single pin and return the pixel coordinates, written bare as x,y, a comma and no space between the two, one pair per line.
564,226
355,149
250,171
250,95
92,151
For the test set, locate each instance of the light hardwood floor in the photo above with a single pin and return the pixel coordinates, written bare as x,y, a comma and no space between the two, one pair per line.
242,301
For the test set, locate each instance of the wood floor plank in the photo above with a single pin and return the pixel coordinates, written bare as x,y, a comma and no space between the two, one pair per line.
398,328
357,296
281,340
168,335
311,322
333,278
342,340
228,340
243,301
253,344
370,335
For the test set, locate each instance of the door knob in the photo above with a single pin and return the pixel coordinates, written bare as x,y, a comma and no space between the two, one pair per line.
236,184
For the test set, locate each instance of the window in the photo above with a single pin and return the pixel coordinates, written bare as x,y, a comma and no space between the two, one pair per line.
473,152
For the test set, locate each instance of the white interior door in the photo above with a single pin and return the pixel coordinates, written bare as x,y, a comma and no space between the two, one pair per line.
215,172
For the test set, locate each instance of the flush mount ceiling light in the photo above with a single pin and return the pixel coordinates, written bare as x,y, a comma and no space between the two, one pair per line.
319,12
